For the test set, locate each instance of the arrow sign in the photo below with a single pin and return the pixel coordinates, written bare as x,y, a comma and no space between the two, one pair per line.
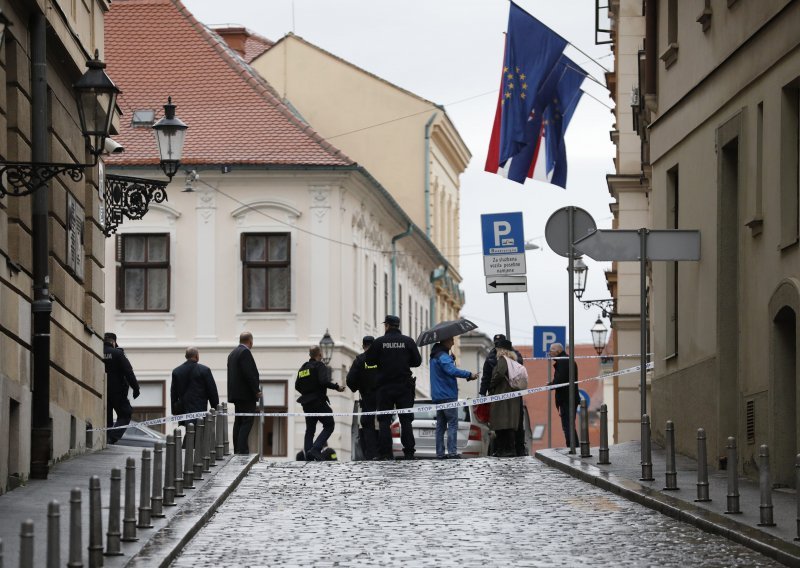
625,245
495,284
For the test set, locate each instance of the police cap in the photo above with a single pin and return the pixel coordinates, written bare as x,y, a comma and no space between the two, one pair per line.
367,340
392,320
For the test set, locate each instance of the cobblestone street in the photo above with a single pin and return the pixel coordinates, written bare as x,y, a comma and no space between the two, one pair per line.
481,512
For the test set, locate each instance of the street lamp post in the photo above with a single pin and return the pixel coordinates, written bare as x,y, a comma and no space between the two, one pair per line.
599,334
326,344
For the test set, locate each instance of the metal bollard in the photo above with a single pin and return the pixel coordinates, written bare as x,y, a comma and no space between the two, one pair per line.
156,499
733,479
226,445
647,453
603,435
53,535
220,449
207,443
75,530
95,523
129,520
179,463
145,511
211,432
199,444
26,545
169,473
188,460
702,467
671,473
584,443
113,544
797,486
765,483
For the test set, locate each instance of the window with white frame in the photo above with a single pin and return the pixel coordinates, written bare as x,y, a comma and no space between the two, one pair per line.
266,266
143,275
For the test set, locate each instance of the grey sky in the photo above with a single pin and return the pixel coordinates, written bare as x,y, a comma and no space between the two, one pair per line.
450,52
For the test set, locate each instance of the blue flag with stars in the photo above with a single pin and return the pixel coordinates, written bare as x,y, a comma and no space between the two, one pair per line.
557,116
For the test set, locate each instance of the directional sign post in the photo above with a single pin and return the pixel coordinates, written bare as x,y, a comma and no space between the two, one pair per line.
504,256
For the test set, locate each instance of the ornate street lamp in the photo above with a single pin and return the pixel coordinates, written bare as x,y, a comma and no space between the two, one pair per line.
580,270
326,344
170,135
599,334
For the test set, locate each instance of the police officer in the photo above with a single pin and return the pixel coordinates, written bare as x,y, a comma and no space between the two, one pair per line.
312,383
119,376
362,377
394,354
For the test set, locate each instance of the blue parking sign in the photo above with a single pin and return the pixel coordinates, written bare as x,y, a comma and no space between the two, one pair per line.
545,335
503,233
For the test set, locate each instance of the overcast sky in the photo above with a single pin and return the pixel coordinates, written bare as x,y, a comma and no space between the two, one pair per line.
450,52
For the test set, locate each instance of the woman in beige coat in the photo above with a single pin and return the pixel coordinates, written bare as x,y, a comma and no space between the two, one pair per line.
505,414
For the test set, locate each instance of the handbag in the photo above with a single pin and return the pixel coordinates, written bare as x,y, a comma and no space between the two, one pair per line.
483,412
517,375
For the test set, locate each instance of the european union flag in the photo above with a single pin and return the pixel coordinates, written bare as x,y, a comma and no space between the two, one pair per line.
557,116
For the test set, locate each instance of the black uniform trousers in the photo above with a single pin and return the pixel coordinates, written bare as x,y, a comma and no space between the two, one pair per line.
390,396
369,436
327,422
122,406
242,426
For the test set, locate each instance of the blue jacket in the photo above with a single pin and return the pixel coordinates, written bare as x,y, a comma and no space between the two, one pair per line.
444,374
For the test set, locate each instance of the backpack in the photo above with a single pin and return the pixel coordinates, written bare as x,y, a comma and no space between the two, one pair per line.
305,382
517,375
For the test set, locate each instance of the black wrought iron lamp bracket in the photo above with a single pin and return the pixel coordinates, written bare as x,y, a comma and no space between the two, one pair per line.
606,305
130,197
25,178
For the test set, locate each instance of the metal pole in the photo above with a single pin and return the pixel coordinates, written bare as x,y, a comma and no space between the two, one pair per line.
53,535
95,523
643,318
647,460
225,442
765,483
220,449
508,319
549,404
702,467
733,479
188,461
75,530
145,510
129,520
169,473
200,439
179,463
207,443
261,426
585,451
157,499
113,544
797,485
603,435
211,432
571,304
26,545
671,473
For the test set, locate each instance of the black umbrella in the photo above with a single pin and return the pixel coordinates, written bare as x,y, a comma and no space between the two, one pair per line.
445,330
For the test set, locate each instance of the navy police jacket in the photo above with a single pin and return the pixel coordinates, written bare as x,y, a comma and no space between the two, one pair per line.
395,354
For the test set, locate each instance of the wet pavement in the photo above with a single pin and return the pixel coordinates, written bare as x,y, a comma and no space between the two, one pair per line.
479,512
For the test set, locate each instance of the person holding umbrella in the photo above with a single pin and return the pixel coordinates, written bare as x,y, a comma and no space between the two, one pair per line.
444,388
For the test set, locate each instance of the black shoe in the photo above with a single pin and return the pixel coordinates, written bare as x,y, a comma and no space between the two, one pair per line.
453,456
408,456
314,455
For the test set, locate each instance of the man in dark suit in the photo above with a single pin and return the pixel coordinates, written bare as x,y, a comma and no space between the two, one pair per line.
193,387
561,377
119,377
243,390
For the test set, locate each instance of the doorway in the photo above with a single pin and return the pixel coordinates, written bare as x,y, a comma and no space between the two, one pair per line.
784,396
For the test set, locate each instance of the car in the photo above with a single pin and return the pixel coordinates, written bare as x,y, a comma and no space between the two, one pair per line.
141,436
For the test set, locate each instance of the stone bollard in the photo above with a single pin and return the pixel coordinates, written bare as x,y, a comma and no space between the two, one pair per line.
199,444
145,511
584,442
113,544
702,467
220,449
53,535
671,472
226,445
75,530
765,483
647,454
95,523
129,520
188,460
797,486
207,443
26,544
156,499
603,460
169,473
733,479
211,433
179,463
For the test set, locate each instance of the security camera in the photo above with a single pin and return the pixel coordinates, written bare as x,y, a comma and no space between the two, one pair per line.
113,147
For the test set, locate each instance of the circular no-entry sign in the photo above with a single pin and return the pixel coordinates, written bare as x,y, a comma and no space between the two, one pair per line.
556,232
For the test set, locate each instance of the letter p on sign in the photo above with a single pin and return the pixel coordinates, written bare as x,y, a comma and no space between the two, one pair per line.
501,229
548,338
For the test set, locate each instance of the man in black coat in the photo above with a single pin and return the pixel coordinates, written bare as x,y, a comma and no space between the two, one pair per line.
193,387
561,377
313,382
362,377
488,368
119,376
243,390
394,354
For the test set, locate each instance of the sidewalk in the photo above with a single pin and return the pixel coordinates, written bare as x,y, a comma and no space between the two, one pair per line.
160,543
622,477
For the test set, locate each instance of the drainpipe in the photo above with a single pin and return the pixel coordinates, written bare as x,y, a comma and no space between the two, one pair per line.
41,429
651,47
438,273
394,265
428,175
